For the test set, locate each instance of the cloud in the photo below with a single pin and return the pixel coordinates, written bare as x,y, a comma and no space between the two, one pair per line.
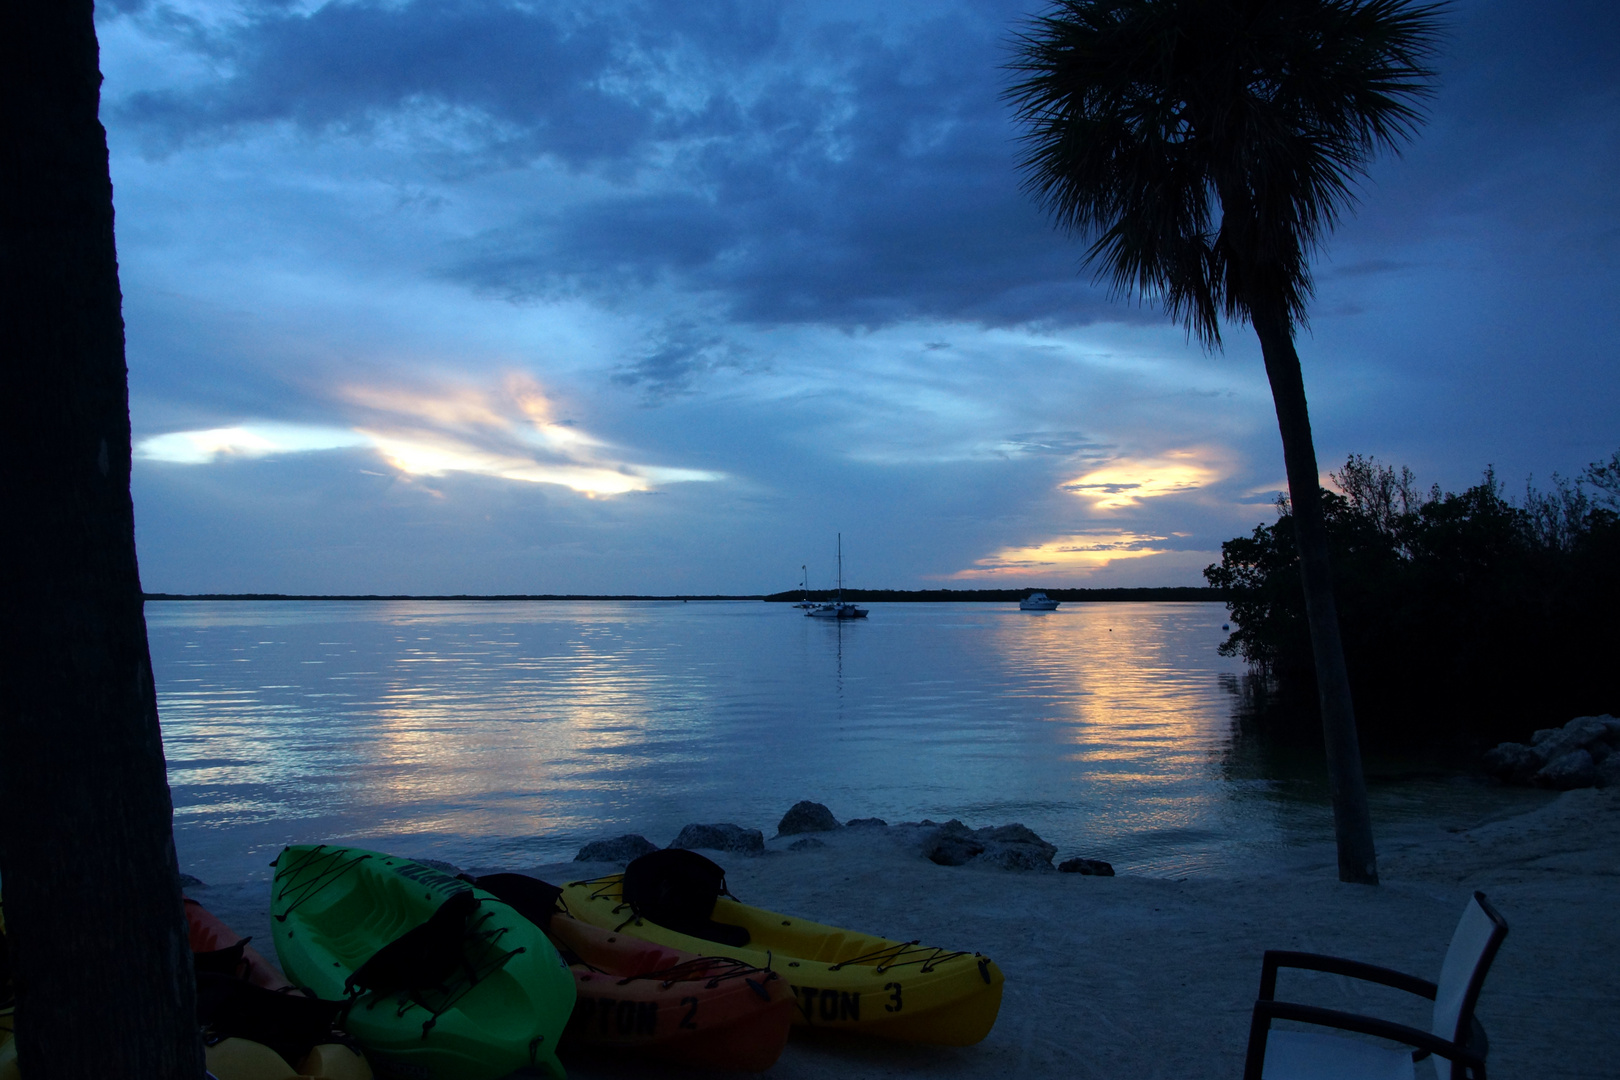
1073,555
797,229
249,441
1126,481
509,80
677,357
787,165
509,434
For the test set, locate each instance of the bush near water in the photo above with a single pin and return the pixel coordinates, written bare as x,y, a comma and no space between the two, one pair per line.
1468,615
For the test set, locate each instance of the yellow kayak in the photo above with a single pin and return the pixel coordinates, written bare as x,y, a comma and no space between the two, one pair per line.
840,979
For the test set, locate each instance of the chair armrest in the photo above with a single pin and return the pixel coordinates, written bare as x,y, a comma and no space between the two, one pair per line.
1337,965
1267,1011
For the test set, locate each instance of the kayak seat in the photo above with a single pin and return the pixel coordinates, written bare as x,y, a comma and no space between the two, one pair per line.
288,1023
677,889
530,897
421,958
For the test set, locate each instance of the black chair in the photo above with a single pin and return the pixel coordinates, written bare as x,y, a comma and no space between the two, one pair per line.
1455,1041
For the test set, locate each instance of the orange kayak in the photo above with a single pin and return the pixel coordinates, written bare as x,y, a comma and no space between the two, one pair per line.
221,953
639,997
707,1011
211,936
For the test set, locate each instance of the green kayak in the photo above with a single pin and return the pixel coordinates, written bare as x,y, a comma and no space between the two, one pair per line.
444,981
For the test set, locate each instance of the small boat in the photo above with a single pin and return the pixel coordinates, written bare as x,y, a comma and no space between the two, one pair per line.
634,996
1037,601
441,979
804,589
837,609
900,990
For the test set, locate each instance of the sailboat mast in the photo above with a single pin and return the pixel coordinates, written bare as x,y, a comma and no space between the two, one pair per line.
840,567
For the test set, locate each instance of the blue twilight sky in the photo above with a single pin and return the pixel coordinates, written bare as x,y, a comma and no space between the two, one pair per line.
439,296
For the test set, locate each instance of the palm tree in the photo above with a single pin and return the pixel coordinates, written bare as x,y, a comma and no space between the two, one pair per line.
96,932
1206,146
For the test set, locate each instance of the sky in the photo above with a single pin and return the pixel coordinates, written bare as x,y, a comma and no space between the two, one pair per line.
427,296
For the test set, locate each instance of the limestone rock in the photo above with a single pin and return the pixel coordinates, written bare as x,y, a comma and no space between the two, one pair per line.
1018,857
1581,733
722,837
866,823
807,843
1608,773
1011,847
1567,771
950,844
806,817
1572,756
1090,867
621,849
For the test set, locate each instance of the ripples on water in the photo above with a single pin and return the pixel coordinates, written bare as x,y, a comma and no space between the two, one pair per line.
494,733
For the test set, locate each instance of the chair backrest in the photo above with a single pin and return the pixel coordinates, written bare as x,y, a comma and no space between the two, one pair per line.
1473,947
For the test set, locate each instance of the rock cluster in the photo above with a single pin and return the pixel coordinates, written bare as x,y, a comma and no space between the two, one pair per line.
1010,847
1583,753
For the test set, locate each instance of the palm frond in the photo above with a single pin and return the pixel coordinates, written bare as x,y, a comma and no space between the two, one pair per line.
1208,146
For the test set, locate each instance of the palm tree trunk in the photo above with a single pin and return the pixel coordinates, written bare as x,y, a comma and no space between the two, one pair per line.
92,895
1352,820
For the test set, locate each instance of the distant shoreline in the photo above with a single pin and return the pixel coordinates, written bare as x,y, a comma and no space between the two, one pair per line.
1174,593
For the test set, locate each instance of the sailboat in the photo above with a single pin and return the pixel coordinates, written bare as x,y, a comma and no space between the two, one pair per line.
804,588
837,609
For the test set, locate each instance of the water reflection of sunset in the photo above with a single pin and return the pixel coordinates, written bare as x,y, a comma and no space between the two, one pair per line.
1120,694
510,734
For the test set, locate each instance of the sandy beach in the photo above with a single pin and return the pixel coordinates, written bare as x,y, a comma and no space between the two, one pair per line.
1134,977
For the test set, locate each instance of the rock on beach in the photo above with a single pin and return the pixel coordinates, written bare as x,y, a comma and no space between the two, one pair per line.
722,837
806,817
1580,754
620,849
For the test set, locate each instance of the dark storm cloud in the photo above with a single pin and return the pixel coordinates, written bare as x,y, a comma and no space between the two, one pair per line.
836,172
534,82
1524,132
873,186
852,173
676,358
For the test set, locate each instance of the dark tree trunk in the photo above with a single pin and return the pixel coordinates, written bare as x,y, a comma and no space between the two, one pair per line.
1352,820
92,895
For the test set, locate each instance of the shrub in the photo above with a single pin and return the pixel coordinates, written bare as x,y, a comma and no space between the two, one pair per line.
1463,614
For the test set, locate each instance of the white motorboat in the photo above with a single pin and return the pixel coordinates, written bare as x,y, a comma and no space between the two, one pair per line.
839,608
1037,601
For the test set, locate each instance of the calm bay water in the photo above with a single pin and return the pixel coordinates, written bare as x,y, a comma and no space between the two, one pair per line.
494,733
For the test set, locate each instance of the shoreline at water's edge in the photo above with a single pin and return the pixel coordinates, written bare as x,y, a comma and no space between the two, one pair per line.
1136,976
1155,594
